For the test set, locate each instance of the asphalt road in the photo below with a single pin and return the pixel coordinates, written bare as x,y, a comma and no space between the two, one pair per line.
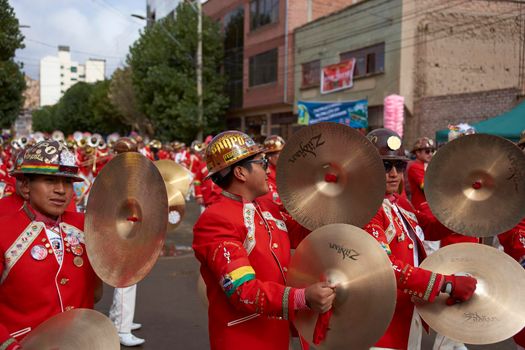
168,305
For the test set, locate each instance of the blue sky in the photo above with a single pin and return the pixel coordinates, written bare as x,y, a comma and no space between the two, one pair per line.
91,28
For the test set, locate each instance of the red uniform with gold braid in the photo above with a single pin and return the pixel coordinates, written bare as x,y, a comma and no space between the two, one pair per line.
205,188
272,194
416,180
396,226
244,250
34,287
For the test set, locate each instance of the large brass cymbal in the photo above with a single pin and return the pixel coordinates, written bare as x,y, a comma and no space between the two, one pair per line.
177,181
126,219
475,185
79,329
175,175
329,173
366,287
495,312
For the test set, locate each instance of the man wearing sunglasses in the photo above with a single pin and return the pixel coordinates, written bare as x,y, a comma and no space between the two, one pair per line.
423,150
243,243
400,230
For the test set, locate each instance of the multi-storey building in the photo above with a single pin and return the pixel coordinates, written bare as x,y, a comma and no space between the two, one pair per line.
259,58
454,61
59,73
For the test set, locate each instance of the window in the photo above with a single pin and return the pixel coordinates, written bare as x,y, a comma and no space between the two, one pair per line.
263,12
234,55
368,60
263,68
74,69
311,74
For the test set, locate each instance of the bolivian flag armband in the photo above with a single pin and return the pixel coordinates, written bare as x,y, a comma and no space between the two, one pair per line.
232,280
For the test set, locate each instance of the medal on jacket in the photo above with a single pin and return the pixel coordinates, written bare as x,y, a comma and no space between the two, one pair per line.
78,261
77,250
39,252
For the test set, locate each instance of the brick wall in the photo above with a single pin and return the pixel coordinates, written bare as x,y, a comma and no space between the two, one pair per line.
436,113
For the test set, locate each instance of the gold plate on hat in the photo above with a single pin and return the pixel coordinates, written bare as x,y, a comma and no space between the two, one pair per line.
329,173
495,312
366,290
126,219
475,185
79,329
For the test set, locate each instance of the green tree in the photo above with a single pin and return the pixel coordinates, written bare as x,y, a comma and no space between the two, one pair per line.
12,83
106,119
123,97
45,119
164,76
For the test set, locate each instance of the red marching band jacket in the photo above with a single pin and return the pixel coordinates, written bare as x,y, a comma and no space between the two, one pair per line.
244,250
206,188
272,185
390,228
31,290
416,180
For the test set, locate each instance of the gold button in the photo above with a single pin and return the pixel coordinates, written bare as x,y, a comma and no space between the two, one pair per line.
260,223
285,269
64,281
50,251
410,246
275,246
48,245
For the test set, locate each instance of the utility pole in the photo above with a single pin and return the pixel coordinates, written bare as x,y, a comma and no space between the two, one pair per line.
200,112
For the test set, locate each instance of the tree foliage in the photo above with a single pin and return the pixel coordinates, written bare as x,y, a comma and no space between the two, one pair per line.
122,95
163,66
84,107
12,82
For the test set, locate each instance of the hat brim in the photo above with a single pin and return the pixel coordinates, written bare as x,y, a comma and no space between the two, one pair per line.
19,175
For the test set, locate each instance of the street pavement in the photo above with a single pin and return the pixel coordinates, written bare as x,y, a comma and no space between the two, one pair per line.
172,314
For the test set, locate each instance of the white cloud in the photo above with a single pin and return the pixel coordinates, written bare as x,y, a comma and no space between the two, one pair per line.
91,28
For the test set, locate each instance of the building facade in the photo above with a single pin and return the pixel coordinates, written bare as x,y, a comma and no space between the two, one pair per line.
259,59
59,73
454,61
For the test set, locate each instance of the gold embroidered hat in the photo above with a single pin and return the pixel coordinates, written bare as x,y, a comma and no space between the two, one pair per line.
273,143
228,148
48,158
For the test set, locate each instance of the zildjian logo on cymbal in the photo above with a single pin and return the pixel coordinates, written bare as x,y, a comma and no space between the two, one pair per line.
346,252
310,147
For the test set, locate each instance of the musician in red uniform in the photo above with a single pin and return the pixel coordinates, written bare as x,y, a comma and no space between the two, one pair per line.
43,264
423,150
207,192
399,230
273,145
243,244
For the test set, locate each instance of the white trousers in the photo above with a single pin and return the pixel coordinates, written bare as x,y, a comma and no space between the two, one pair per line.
123,308
444,343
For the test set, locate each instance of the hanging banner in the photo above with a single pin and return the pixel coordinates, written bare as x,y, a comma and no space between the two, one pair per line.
337,76
351,113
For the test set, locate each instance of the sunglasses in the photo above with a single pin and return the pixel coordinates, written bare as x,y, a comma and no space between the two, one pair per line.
398,164
426,150
263,161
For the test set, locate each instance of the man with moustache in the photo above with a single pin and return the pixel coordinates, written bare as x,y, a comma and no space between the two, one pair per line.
44,269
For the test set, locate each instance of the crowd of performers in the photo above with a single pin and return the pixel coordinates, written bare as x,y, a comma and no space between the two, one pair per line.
92,152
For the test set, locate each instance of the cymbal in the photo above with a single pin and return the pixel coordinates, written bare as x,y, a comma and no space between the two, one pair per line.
366,287
175,175
177,181
79,329
496,310
475,185
329,173
126,219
